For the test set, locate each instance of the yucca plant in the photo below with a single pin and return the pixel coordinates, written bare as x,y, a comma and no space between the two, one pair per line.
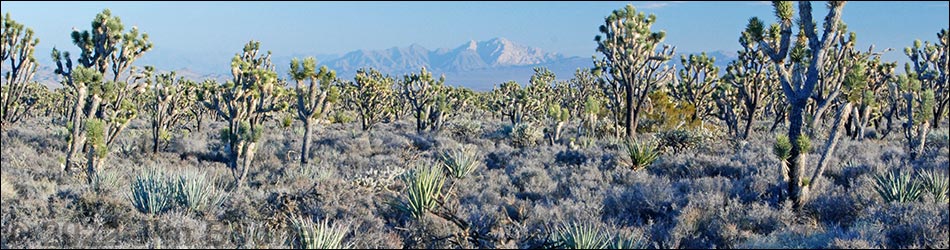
152,193
581,236
461,161
321,235
196,192
423,187
936,184
641,154
634,242
897,186
104,180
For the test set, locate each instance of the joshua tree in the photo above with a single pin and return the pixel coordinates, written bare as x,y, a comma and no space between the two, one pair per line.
421,90
752,77
18,96
244,103
696,83
313,100
509,100
197,110
866,89
931,63
168,101
802,76
370,93
631,61
101,109
918,104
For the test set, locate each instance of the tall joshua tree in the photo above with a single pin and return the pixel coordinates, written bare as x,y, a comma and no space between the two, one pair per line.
631,61
421,91
244,102
101,109
314,99
167,104
931,63
696,83
17,96
800,80
370,92
752,77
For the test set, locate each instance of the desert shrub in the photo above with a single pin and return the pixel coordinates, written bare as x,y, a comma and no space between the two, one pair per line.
677,140
525,135
310,235
642,154
571,157
152,192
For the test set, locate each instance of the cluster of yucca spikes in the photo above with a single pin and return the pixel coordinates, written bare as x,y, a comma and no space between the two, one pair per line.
460,161
322,235
423,188
642,154
152,192
902,187
586,236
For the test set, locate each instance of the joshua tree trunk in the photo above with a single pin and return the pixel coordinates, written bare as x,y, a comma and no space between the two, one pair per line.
843,115
631,115
305,149
246,157
78,138
748,126
796,160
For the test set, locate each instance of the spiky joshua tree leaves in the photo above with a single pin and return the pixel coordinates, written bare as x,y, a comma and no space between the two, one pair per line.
244,102
314,99
104,49
632,62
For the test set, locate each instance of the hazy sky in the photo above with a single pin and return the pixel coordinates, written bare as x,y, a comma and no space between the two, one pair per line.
307,28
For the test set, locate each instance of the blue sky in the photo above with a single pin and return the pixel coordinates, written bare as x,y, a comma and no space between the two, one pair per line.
219,29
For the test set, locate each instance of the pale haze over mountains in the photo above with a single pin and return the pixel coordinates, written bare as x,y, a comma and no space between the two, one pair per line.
479,65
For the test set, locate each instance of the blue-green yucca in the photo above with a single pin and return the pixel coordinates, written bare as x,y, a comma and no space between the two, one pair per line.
152,193
424,185
461,161
197,193
897,186
321,235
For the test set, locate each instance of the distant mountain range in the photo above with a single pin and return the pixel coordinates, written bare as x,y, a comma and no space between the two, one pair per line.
479,65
